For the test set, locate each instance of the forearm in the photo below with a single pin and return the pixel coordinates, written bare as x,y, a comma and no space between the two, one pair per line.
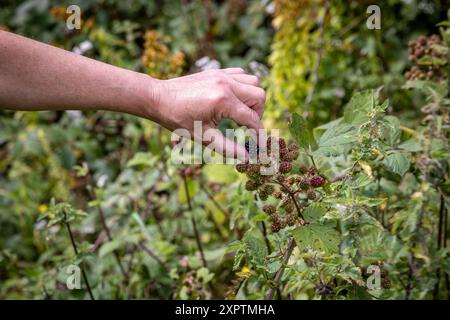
36,76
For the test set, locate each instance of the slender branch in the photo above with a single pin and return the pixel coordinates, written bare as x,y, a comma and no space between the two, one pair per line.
217,204
279,274
152,254
264,232
75,249
194,223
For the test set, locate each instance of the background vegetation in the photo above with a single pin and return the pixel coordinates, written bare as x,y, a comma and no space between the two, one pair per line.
96,189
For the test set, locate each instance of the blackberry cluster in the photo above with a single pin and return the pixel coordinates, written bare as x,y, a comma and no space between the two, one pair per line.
419,48
291,189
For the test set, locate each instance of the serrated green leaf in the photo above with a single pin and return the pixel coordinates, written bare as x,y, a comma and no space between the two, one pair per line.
356,111
317,237
338,135
397,162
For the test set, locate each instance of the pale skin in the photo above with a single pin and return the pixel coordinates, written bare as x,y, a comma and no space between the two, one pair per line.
35,76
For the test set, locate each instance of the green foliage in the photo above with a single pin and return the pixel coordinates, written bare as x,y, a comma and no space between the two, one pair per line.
145,228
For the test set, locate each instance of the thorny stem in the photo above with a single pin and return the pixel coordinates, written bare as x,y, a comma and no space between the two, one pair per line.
194,223
75,249
279,274
288,252
291,194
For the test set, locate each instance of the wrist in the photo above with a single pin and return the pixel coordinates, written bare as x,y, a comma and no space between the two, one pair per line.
143,96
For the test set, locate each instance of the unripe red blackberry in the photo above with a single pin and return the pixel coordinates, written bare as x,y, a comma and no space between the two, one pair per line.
276,226
312,195
283,224
317,181
251,185
269,209
282,143
273,217
241,167
285,167
284,154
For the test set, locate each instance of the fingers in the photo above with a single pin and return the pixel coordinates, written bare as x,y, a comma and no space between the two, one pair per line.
215,140
240,113
233,71
253,97
246,78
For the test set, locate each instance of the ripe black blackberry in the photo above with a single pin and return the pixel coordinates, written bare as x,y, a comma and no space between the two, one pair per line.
252,148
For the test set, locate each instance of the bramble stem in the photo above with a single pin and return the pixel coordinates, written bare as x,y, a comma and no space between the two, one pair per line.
286,256
194,223
75,249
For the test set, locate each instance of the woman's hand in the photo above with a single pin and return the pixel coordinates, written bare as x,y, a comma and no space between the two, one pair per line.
209,97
